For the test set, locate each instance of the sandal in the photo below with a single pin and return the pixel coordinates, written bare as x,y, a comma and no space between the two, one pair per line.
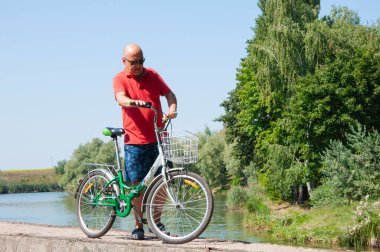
138,234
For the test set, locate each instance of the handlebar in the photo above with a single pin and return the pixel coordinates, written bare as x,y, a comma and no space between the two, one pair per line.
149,106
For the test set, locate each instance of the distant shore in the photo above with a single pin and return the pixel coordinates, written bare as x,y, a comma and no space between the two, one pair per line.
33,180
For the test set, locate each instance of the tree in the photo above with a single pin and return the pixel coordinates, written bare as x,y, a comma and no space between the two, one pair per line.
353,169
303,82
211,164
94,152
266,78
344,87
60,167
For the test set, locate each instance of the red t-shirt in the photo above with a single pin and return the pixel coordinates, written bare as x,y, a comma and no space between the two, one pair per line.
138,122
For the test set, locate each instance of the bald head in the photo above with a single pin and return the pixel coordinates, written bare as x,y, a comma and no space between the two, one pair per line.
133,60
132,50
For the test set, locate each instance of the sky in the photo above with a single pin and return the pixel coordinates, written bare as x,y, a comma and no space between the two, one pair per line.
58,59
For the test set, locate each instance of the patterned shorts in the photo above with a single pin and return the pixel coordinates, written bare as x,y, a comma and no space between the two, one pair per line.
138,159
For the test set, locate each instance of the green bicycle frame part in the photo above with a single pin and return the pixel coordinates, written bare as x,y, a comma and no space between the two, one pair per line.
122,203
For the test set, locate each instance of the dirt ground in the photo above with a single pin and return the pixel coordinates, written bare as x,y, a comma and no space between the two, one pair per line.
15,236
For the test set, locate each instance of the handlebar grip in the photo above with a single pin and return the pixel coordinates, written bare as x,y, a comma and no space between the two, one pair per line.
147,105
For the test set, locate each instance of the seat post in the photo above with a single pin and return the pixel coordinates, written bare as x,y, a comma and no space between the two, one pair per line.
117,152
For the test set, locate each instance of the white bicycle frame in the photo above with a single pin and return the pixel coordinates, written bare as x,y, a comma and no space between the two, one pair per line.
159,162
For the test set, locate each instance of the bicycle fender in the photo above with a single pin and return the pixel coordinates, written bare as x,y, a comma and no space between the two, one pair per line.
149,188
109,176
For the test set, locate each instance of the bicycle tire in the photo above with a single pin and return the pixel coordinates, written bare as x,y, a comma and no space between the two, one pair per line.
94,220
185,219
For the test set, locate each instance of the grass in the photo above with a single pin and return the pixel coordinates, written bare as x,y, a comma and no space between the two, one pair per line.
33,180
294,223
317,225
32,176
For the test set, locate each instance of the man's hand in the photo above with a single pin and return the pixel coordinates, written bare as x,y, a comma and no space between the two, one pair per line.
170,115
136,103
124,101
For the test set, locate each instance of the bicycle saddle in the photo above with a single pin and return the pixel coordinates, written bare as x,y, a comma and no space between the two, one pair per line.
113,132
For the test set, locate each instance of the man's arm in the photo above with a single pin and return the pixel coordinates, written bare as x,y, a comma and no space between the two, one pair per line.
124,101
172,103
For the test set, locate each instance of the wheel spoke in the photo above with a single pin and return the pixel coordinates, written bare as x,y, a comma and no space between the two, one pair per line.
189,216
94,219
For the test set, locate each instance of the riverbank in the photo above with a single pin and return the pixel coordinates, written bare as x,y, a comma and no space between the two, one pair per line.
33,180
15,236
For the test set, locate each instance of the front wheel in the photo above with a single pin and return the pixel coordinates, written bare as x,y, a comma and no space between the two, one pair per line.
95,220
184,214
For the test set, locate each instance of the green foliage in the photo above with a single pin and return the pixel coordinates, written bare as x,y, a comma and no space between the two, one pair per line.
94,152
24,181
236,197
24,187
343,14
353,169
211,164
258,214
255,205
233,166
303,82
60,167
366,228
318,225
3,187
283,172
326,195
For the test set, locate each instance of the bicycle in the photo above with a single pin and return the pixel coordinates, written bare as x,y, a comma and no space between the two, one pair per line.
178,198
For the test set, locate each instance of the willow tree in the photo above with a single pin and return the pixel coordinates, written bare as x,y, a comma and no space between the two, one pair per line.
343,89
303,82
265,80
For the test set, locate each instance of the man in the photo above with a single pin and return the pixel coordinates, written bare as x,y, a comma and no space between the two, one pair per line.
138,85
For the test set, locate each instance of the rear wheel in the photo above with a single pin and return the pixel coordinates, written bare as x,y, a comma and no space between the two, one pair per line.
185,216
94,220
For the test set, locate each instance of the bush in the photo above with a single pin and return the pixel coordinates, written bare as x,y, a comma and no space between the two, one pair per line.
255,205
3,187
326,195
211,164
353,169
60,167
236,198
258,213
366,231
283,172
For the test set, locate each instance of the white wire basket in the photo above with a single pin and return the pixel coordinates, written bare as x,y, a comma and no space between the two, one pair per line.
180,147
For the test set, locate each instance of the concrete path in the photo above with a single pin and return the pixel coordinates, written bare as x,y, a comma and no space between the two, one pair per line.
20,237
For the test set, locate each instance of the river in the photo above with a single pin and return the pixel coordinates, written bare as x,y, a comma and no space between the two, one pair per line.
58,208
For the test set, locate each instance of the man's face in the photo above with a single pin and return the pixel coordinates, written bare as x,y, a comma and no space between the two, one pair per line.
134,64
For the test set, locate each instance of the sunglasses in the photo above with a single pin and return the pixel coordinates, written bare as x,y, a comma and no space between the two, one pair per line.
136,62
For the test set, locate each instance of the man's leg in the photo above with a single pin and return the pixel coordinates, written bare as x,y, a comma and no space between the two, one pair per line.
137,204
133,169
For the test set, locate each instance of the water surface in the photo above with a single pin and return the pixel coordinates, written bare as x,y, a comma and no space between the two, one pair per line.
58,208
